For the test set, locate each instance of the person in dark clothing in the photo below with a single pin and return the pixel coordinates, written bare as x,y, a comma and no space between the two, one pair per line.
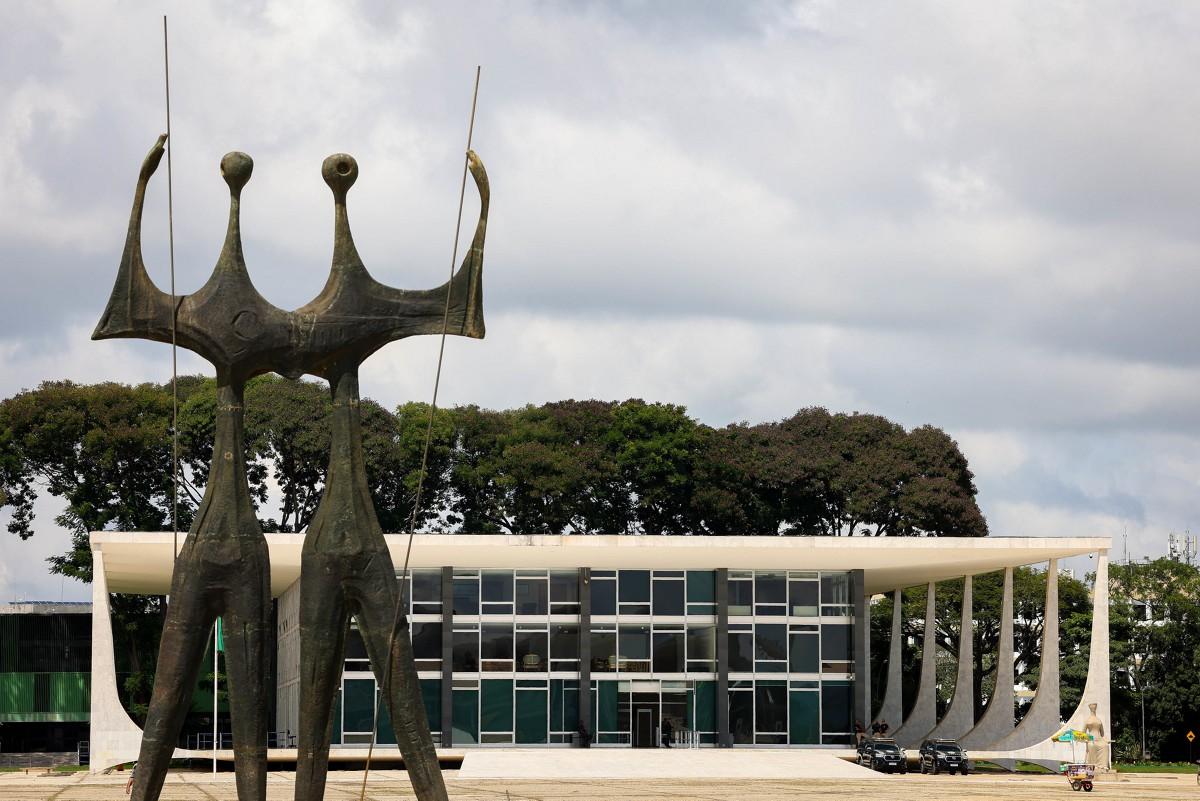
585,736
875,728
883,728
667,731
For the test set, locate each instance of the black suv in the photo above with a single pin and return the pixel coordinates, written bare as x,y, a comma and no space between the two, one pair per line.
882,754
939,755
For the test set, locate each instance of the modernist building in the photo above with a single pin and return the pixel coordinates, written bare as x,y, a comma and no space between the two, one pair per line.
45,671
702,641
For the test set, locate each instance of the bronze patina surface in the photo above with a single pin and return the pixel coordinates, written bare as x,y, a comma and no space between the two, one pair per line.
223,568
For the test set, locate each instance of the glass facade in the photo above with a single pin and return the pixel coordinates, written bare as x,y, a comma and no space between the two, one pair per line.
516,647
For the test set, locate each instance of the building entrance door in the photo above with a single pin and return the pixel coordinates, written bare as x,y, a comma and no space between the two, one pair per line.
645,720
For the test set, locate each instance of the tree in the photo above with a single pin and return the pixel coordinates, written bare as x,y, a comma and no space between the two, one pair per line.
1155,633
104,448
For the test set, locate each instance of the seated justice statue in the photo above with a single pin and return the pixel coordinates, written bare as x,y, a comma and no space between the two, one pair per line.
223,567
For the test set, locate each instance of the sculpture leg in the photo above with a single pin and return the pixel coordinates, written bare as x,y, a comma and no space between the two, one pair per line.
247,629
378,590
180,652
323,621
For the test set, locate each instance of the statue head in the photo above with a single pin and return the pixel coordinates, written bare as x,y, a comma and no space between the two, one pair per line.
1092,706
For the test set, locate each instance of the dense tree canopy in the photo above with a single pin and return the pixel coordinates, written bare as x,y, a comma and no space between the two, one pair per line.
570,467
1154,629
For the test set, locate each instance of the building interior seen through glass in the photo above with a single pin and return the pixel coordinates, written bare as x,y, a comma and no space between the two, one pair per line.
516,645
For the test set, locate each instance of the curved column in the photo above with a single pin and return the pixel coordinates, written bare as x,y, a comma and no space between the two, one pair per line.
923,717
996,722
892,709
114,737
1096,689
960,717
1042,719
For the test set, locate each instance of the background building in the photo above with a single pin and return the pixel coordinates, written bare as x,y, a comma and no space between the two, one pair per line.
45,676
732,641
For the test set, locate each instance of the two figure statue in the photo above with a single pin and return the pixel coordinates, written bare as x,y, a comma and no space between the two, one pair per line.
223,568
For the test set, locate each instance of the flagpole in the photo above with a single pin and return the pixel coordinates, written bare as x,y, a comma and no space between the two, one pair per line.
216,648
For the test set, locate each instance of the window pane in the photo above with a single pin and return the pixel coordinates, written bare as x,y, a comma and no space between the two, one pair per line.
496,705
635,586
835,643
497,586
770,706
564,642
464,714
466,596
741,597
564,586
531,716
741,651
770,588
706,706
607,705
604,597
533,596
701,587
804,726
466,651
702,643
427,591
431,696
770,642
427,640
836,706
496,642
835,589
802,598
358,704
668,597
741,716
355,647
604,650
804,657
633,647
668,652
533,650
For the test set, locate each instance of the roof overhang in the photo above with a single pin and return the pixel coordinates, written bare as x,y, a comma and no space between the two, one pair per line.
140,562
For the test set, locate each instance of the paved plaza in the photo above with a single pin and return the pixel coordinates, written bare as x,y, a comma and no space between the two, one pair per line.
393,786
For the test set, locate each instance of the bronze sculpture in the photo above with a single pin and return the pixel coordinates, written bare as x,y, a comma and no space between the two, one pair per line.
223,567
345,566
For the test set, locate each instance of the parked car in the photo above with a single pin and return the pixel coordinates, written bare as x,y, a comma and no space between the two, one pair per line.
882,754
938,755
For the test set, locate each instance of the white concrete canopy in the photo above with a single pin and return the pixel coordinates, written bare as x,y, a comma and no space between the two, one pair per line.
140,562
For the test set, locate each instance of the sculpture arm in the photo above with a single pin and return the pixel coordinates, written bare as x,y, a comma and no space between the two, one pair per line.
137,308
423,309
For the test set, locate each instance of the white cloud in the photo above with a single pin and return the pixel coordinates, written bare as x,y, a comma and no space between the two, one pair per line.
977,216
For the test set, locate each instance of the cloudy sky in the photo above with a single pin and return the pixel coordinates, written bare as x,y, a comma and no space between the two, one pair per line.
976,215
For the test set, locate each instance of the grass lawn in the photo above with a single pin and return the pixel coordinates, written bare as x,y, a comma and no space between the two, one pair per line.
983,766
1155,767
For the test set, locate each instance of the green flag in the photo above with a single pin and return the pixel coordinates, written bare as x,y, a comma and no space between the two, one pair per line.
220,636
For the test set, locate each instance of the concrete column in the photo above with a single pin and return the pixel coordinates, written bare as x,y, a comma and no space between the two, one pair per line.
1096,689
923,717
1042,719
996,722
862,648
447,657
892,709
114,737
724,739
960,717
585,649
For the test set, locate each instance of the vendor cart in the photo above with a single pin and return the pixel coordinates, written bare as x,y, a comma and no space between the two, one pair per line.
1080,776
